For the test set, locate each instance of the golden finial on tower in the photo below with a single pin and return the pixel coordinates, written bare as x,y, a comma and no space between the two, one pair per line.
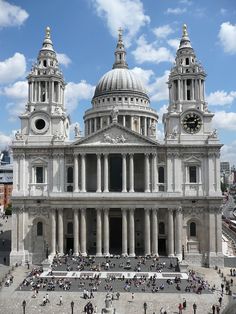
48,35
185,32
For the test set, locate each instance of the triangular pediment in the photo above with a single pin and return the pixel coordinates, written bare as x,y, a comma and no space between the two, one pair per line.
192,160
115,134
38,161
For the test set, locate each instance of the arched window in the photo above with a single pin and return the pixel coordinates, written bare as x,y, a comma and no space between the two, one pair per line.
161,175
70,228
161,228
39,229
70,175
193,232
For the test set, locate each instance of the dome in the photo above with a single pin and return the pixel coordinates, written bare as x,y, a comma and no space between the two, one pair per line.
120,80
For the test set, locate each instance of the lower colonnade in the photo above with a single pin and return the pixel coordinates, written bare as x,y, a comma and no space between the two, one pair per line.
128,233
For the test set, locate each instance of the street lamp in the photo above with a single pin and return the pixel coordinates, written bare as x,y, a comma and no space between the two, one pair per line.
194,308
72,307
24,305
145,307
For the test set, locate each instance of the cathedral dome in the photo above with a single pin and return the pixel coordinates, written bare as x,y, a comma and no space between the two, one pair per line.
120,80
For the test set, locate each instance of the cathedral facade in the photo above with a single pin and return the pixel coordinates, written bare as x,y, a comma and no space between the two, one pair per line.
117,189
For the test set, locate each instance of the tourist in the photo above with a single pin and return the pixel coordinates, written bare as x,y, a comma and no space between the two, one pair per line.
60,300
184,304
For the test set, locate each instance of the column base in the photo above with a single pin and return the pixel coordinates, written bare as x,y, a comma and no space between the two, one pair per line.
124,254
106,254
132,255
76,254
171,255
147,191
76,191
84,254
98,191
98,254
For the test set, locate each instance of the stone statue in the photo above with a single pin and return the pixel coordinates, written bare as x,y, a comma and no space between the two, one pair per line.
114,114
77,130
152,129
18,136
213,134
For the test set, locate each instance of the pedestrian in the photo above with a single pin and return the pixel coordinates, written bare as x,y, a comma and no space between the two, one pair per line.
60,300
47,298
220,300
118,295
213,309
222,287
180,307
44,300
132,296
95,309
217,309
184,304
231,272
161,310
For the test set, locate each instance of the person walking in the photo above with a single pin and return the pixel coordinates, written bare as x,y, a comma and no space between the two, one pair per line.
184,304
180,307
132,296
217,309
60,300
47,298
220,301
213,309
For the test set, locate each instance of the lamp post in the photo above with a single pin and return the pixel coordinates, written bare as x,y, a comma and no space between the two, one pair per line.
194,308
145,307
72,307
46,250
23,306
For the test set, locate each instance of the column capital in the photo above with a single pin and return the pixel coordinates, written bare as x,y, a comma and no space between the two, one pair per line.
75,154
98,155
154,154
179,209
105,154
131,154
147,155
170,210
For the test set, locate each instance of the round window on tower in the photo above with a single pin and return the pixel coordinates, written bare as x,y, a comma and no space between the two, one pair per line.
40,124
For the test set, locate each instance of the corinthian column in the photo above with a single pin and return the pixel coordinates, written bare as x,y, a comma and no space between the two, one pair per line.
83,173
131,173
179,227
170,233
106,231
154,171
76,173
154,233
99,233
124,232
106,173
147,231
83,232
147,173
60,231
131,233
124,188
76,231
53,226
98,172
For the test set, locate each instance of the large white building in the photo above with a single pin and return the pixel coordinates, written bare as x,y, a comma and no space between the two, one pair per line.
117,189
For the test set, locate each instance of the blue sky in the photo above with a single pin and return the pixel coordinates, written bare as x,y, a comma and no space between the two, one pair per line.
84,33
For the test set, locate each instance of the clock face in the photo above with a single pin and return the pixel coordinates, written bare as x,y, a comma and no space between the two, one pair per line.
192,122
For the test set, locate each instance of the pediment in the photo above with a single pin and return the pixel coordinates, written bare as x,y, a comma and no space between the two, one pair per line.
192,160
115,134
38,161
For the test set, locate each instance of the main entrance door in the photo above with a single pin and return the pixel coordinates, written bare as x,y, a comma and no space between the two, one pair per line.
115,235
162,246
115,162
69,245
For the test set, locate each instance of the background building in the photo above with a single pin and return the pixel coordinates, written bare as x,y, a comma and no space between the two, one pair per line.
117,190
6,179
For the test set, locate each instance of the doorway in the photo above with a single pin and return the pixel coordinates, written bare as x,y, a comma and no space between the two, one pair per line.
69,245
162,246
115,235
115,162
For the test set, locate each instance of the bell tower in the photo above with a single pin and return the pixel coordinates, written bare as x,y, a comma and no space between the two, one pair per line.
188,117
45,118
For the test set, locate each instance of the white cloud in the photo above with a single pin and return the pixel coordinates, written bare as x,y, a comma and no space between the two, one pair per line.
128,14
221,98
63,59
12,68
186,2
227,36
225,120
144,75
77,91
5,140
18,90
174,43
175,11
11,15
228,153
149,52
163,31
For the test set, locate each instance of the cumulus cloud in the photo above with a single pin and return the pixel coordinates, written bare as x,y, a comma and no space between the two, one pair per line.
12,68
150,52
163,31
174,43
63,59
225,120
11,15
227,36
221,98
228,153
128,14
77,91
5,140
175,11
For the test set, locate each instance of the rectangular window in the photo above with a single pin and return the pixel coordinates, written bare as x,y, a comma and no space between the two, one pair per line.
39,175
192,174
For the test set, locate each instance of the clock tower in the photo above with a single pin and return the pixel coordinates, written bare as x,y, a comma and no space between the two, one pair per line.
188,118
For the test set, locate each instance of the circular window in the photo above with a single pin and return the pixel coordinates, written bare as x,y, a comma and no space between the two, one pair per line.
40,124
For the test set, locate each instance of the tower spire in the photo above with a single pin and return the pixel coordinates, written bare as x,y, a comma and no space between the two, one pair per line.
120,53
185,41
47,43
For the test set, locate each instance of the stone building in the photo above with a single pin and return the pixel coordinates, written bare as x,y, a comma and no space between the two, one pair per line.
117,189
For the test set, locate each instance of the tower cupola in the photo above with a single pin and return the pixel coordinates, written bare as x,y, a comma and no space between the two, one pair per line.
120,53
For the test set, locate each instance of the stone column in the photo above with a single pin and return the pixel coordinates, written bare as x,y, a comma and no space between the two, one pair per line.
99,173
124,232
179,228
170,233
22,173
95,124
76,231
131,233
60,231
154,172
106,173
154,232
55,166
147,173
145,126
62,168
83,173
219,231
83,229
76,173
124,121
14,235
101,122
212,233
53,231
124,181
147,242
99,233
131,173
106,232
